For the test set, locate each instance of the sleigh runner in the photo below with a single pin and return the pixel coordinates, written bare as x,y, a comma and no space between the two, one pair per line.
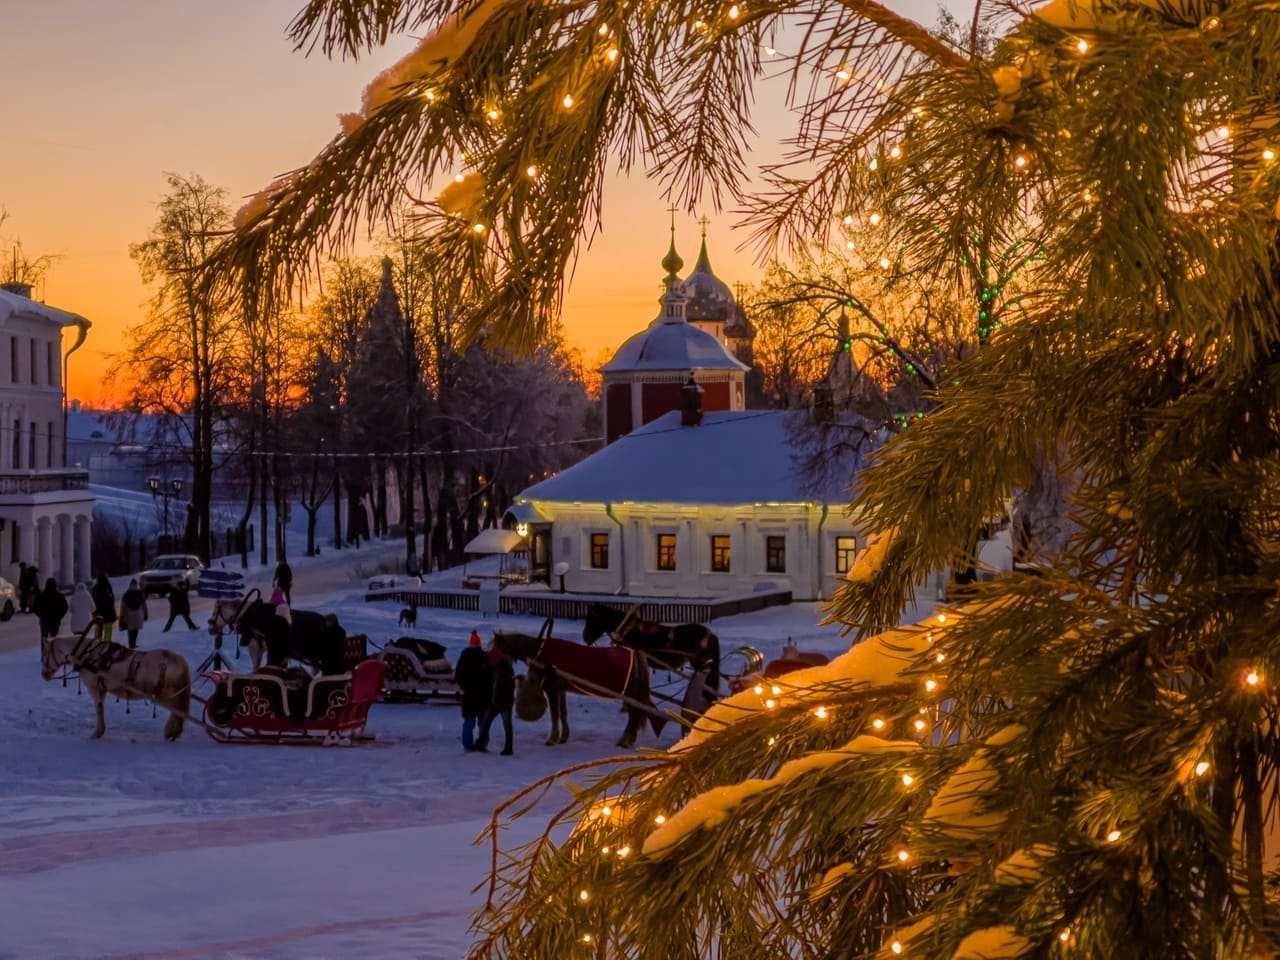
276,706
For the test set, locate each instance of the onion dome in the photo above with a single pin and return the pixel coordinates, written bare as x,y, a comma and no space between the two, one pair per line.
707,297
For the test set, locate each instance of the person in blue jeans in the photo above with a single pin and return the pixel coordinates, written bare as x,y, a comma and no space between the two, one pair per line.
474,679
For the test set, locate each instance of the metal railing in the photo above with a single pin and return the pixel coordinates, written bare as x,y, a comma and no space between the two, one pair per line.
43,481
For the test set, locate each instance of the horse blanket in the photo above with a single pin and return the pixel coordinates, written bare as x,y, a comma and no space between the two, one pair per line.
607,667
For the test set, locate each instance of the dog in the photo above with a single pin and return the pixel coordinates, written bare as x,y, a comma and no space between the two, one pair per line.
409,617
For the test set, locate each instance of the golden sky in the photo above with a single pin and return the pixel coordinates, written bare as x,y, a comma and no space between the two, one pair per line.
105,96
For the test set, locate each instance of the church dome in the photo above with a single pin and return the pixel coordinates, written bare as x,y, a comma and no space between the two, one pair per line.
673,346
707,297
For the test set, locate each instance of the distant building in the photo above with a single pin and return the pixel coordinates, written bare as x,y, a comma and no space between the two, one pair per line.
690,337
45,507
694,504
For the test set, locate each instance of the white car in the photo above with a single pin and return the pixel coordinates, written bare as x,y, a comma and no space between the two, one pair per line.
168,570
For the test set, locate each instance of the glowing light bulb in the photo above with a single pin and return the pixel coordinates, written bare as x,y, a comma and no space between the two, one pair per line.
873,163
769,704
531,170
1252,678
604,30
1088,197
1065,934
848,244
769,51
920,725
606,810
429,95
1082,46
586,938
821,713
1202,768
931,685
757,689
492,114
874,219
1113,836
1268,154
908,779
942,618
848,219
940,657
775,690
698,24
895,151
733,12
1020,161
478,228
623,851
1224,132
459,177
584,896
659,819
877,723
771,741
604,849
612,54
896,947
884,263
567,102
842,74
903,857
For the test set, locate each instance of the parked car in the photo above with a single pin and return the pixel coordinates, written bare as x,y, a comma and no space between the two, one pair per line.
168,570
8,599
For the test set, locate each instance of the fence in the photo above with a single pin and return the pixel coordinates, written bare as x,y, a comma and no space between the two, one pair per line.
568,607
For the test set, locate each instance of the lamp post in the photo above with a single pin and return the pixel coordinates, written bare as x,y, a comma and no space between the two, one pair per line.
158,488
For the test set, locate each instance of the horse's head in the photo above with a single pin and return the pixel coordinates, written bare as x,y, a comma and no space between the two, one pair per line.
224,615
52,656
600,620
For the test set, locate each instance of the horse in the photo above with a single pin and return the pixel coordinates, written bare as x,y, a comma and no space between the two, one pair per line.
666,647
312,638
161,676
557,667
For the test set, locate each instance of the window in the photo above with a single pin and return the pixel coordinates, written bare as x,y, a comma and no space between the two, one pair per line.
52,367
666,551
13,359
49,463
845,547
775,554
32,342
31,446
719,553
17,444
600,551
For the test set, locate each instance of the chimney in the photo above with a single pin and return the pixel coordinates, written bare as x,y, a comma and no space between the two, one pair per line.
690,403
18,287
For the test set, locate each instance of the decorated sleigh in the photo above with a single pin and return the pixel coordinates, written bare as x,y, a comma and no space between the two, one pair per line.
753,669
289,706
417,670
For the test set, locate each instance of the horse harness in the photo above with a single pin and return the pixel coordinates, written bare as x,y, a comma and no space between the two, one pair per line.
83,658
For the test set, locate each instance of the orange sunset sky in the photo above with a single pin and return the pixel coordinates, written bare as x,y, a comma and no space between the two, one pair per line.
104,96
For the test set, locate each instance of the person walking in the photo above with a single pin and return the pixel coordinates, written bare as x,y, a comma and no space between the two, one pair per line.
28,586
49,606
104,605
283,580
473,678
133,612
81,609
502,699
179,606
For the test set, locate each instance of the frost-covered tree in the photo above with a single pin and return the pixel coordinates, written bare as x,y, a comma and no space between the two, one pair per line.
1079,761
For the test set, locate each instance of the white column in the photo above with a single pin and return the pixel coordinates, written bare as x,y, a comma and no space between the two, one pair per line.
44,548
26,542
84,569
66,550
637,405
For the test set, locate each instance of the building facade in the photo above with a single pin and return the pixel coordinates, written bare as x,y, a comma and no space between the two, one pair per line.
45,506
694,505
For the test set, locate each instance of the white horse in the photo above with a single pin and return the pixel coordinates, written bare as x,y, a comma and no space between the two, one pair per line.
161,676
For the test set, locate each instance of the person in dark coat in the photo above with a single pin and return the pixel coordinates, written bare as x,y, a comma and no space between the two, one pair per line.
104,605
501,701
473,677
28,586
49,606
179,606
133,612
284,580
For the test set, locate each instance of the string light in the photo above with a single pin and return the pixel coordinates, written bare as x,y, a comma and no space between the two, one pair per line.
821,713
1065,934
874,219
877,723
430,95
884,263
1252,678
842,74
659,819
942,618
459,177
1113,836
612,54
584,896
920,725
775,690
757,689
586,938
896,947
567,102
623,851
1268,154
895,151
771,741
908,779
606,810
940,657
931,685
1202,768
478,228
769,704
1021,160
848,219
902,855
733,12
531,170
1082,46
770,51
492,114
604,30
873,163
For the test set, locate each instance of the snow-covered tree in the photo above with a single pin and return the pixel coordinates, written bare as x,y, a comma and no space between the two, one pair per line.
1079,762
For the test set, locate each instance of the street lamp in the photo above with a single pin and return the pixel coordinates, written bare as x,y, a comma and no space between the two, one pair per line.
157,488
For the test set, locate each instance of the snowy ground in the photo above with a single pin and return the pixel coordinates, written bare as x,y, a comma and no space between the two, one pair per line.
132,847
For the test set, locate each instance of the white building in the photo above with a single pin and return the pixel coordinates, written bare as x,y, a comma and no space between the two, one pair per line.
45,508
693,505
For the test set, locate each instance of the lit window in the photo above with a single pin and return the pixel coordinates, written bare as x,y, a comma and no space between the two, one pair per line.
666,551
844,554
600,551
720,553
775,554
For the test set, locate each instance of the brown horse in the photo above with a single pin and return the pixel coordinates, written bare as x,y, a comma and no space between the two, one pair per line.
161,676
666,647
557,667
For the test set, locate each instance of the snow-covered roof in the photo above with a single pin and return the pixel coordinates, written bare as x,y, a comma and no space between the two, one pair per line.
673,346
732,457
16,305
494,540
